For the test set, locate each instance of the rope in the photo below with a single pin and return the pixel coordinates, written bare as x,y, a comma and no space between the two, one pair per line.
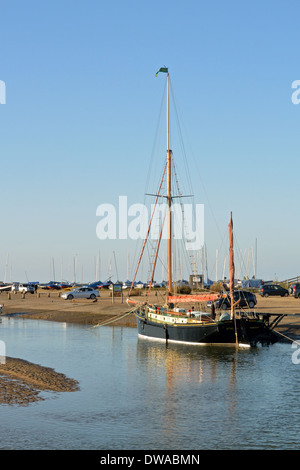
290,339
113,320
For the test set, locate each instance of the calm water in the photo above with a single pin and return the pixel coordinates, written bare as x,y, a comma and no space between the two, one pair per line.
141,395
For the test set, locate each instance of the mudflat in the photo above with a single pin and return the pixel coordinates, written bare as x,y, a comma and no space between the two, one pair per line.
21,382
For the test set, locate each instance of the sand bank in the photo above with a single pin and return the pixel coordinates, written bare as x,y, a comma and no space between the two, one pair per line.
50,306
21,382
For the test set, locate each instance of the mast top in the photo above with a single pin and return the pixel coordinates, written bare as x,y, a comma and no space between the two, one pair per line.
162,69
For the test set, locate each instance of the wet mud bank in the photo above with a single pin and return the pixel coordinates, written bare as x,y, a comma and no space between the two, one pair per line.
21,382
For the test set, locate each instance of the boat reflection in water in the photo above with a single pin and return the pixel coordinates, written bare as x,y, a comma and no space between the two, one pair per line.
180,373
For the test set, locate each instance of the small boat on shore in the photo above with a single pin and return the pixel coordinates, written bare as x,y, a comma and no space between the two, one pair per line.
172,321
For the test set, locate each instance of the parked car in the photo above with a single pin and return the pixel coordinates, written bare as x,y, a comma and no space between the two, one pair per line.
245,298
23,288
296,291
273,289
26,288
81,293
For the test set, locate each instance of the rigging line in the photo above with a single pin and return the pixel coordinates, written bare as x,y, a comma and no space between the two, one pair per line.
154,264
148,231
241,261
107,322
222,247
189,260
241,264
158,257
191,255
188,255
186,263
181,141
152,245
187,167
157,194
155,141
290,339
202,183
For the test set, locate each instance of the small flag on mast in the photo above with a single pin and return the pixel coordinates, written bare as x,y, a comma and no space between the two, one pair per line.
162,69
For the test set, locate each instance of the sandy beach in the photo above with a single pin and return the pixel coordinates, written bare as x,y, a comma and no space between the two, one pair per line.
21,382
50,306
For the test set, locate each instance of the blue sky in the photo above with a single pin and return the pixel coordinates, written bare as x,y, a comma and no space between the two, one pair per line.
81,112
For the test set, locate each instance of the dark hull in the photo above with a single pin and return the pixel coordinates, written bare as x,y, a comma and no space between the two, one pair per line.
249,332
180,333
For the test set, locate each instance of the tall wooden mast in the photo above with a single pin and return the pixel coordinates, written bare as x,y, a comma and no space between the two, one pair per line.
169,196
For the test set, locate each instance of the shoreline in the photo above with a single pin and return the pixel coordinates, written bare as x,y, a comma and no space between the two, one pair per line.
51,307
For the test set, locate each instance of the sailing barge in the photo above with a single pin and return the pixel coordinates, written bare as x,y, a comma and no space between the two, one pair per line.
171,323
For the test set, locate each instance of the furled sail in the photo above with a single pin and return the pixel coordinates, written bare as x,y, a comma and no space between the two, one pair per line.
192,298
231,261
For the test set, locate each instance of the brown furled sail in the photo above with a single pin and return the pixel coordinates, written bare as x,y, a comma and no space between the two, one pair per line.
192,298
231,275
231,262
